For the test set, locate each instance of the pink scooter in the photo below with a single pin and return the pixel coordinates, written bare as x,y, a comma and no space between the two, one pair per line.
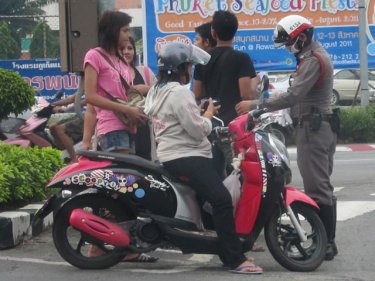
29,132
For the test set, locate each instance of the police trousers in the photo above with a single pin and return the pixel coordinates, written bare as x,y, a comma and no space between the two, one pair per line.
315,151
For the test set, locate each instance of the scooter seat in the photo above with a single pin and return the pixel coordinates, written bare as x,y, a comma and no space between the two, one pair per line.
130,159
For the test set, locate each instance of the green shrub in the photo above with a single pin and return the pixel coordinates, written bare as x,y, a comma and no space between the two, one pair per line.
16,95
24,172
357,125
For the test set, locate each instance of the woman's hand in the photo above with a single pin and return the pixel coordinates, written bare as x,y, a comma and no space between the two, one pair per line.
135,115
211,109
245,106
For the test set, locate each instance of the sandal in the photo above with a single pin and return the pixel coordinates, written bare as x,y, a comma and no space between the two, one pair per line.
141,258
247,269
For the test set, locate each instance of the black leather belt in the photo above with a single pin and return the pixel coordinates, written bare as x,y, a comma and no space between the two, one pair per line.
308,117
325,117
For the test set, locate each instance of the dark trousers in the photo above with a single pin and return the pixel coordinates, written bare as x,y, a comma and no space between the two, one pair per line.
315,150
143,142
222,157
208,185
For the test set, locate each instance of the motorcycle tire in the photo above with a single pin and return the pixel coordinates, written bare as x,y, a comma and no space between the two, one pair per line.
285,245
73,245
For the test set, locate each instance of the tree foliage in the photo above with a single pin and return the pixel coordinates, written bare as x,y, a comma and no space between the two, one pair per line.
16,95
22,16
13,9
9,47
44,43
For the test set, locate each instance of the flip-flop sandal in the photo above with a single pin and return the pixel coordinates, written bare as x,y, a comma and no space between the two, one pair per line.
247,269
141,258
250,259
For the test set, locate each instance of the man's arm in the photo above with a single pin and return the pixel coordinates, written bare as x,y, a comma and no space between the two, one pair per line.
198,89
65,101
247,81
248,88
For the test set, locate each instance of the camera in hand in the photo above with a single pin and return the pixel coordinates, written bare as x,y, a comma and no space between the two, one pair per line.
206,102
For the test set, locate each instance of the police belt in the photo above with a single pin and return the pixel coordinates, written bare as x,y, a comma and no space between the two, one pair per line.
308,117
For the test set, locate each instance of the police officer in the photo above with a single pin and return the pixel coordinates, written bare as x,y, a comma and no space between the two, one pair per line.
316,125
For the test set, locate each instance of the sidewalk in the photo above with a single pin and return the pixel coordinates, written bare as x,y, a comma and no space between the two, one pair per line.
15,225
343,148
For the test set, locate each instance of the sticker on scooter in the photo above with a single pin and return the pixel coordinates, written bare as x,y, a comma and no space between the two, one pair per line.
274,159
156,184
107,179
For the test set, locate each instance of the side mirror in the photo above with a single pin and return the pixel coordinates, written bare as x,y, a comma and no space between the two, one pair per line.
265,84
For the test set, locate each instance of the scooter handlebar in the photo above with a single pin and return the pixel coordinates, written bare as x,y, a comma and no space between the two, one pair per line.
256,113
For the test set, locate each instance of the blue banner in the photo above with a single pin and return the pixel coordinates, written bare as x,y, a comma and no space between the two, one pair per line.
336,28
45,76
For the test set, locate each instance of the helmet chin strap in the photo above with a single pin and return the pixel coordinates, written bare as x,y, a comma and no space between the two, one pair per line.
295,49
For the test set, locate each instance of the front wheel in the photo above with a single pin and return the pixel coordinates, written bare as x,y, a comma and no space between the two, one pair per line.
74,245
285,244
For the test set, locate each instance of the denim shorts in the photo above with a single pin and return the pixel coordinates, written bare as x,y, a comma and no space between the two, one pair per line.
117,140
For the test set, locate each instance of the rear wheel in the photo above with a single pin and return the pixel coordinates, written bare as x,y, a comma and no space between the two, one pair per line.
73,245
286,246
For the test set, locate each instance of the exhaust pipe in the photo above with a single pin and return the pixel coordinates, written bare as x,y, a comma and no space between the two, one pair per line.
99,228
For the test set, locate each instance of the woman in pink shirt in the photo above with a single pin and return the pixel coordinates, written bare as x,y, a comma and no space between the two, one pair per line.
103,67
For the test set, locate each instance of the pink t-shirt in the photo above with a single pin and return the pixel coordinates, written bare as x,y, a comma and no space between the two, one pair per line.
108,79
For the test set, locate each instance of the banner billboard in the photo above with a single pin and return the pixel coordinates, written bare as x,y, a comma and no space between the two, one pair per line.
44,75
336,27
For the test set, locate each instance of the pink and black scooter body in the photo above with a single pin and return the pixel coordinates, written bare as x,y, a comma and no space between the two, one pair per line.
153,193
266,172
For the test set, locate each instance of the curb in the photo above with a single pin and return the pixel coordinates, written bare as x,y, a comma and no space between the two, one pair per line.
343,148
15,226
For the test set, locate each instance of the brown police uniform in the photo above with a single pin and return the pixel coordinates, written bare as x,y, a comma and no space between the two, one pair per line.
309,96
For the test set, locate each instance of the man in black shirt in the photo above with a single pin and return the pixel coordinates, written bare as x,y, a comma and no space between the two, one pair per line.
228,77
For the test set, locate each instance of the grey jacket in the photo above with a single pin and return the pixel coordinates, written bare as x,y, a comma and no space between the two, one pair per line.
180,131
306,91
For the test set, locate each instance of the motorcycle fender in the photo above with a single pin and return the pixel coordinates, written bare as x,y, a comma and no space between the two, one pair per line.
19,141
48,206
86,191
292,194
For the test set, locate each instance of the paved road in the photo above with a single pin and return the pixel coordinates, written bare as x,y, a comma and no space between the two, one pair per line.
353,180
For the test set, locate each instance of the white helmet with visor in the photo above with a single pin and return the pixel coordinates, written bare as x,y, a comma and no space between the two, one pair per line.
289,30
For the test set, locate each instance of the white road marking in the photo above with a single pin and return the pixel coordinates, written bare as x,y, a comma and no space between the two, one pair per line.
201,258
372,194
337,189
38,261
192,264
351,209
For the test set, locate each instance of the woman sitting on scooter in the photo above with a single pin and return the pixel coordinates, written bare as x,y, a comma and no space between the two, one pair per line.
183,148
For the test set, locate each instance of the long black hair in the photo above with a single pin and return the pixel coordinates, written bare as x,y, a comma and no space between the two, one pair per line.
109,27
132,42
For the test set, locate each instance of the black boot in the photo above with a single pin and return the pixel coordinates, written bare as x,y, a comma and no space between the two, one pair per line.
328,216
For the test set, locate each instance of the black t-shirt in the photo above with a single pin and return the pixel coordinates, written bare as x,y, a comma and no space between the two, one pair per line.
138,79
220,78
